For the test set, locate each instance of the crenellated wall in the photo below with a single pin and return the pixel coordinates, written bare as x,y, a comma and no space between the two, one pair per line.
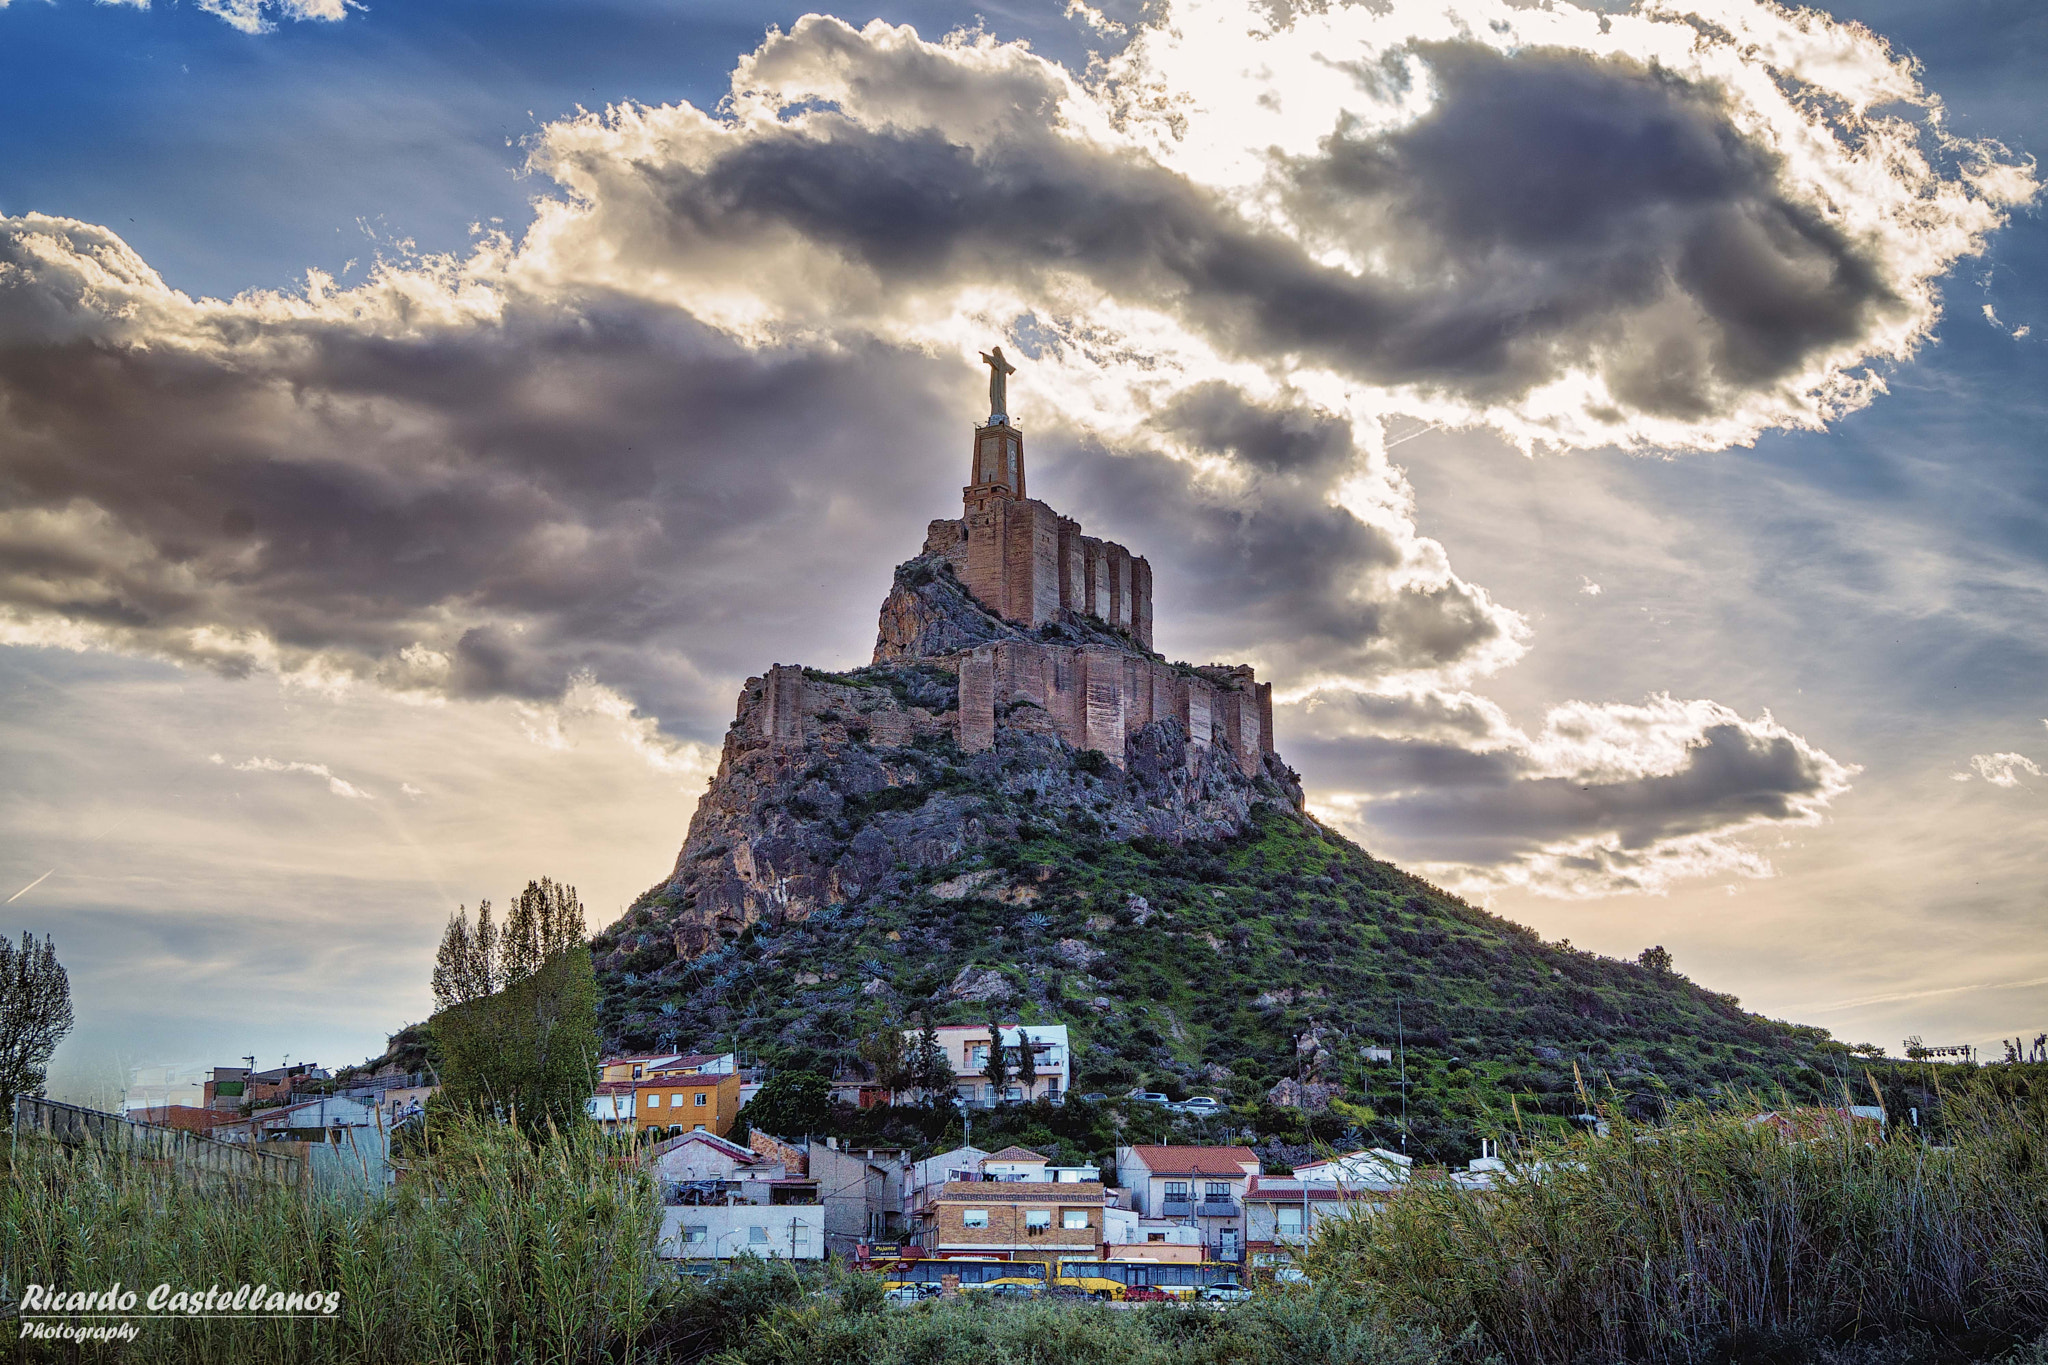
1092,698
1097,698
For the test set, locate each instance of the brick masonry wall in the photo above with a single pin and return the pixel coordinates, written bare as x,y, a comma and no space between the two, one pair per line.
1006,1203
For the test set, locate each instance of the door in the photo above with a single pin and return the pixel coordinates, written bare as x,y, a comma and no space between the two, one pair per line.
1226,1244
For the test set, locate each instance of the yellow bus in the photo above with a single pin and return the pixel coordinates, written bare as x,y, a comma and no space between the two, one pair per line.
1115,1279
974,1273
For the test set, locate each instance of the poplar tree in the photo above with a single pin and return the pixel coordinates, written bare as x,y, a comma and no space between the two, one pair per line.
1027,1064
930,1070
35,1014
997,1068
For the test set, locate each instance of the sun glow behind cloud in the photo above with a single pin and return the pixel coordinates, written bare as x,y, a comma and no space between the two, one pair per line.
1238,256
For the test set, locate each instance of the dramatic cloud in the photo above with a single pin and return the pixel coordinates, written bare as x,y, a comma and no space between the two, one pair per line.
1602,798
723,375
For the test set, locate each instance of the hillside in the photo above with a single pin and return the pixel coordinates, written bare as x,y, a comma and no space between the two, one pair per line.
1196,930
1020,808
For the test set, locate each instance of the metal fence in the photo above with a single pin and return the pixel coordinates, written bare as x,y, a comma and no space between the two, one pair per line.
69,1124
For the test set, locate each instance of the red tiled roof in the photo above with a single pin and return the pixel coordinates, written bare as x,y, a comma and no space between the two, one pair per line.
615,1087
1197,1160
1014,1153
1284,1191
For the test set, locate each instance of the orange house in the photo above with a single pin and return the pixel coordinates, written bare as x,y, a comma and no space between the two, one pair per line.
680,1103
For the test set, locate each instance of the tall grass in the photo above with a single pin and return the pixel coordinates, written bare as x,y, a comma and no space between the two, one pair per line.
1709,1237
498,1247
1702,1241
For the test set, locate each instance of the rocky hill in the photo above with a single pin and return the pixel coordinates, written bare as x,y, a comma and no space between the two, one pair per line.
853,863
1019,808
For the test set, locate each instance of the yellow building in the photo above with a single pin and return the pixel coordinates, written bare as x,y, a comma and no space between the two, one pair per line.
685,1101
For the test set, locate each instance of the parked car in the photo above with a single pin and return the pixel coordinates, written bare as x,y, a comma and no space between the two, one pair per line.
1095,1097
1201,1106
1150,1097
1223,1291
1146,1293
903,1294
1014,1291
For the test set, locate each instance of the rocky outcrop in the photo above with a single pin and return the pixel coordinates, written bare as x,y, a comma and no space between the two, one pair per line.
836,790
929,614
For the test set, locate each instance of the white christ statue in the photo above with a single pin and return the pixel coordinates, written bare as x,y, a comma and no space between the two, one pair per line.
999,370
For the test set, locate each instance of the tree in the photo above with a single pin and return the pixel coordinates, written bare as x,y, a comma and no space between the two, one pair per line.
1657,959
881,1051
35,1014
516,1019
530,1049
1027,1064
792,1104
997,1068
545,919
930,1072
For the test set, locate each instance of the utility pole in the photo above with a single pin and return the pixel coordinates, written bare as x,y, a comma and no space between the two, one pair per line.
1401,1042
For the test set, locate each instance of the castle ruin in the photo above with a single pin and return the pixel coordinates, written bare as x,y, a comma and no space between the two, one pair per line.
1066,646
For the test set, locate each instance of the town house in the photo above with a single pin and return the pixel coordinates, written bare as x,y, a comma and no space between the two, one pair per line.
1017,1211
966,1048
681,1102
1203,1187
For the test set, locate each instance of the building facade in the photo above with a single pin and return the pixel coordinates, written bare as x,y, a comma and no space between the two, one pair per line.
1200,1187
683,1102
773,1232
966,1048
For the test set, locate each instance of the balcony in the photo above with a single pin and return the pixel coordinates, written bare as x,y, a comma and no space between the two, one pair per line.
1216,1208
1177,1208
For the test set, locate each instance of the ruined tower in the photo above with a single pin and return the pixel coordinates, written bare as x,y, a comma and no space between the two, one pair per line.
1074,647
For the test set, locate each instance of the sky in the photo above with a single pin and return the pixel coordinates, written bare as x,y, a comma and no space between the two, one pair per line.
1616,431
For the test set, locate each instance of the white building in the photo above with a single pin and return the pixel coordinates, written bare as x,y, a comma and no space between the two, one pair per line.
773,1232
966,1048
1375,1168
935,1171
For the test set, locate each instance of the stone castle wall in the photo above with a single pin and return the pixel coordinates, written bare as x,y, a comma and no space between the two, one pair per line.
1092,698
1028,564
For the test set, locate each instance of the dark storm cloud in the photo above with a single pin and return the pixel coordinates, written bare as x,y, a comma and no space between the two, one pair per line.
603,487
1551,212
1605,797
1731,777
1272,566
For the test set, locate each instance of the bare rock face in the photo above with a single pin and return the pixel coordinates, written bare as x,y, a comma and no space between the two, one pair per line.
837,790
929,614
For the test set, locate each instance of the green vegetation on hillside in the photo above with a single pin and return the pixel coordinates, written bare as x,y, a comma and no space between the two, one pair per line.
1221,968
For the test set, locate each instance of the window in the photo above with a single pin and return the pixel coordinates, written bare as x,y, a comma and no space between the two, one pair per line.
698,1100
1216,1189
974,1218
1289,1219
799,1234
697,1232
1037,1218
1155,1236
675,1101
757,1236
654,1101
1072,1219
1177,1189
698,1128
